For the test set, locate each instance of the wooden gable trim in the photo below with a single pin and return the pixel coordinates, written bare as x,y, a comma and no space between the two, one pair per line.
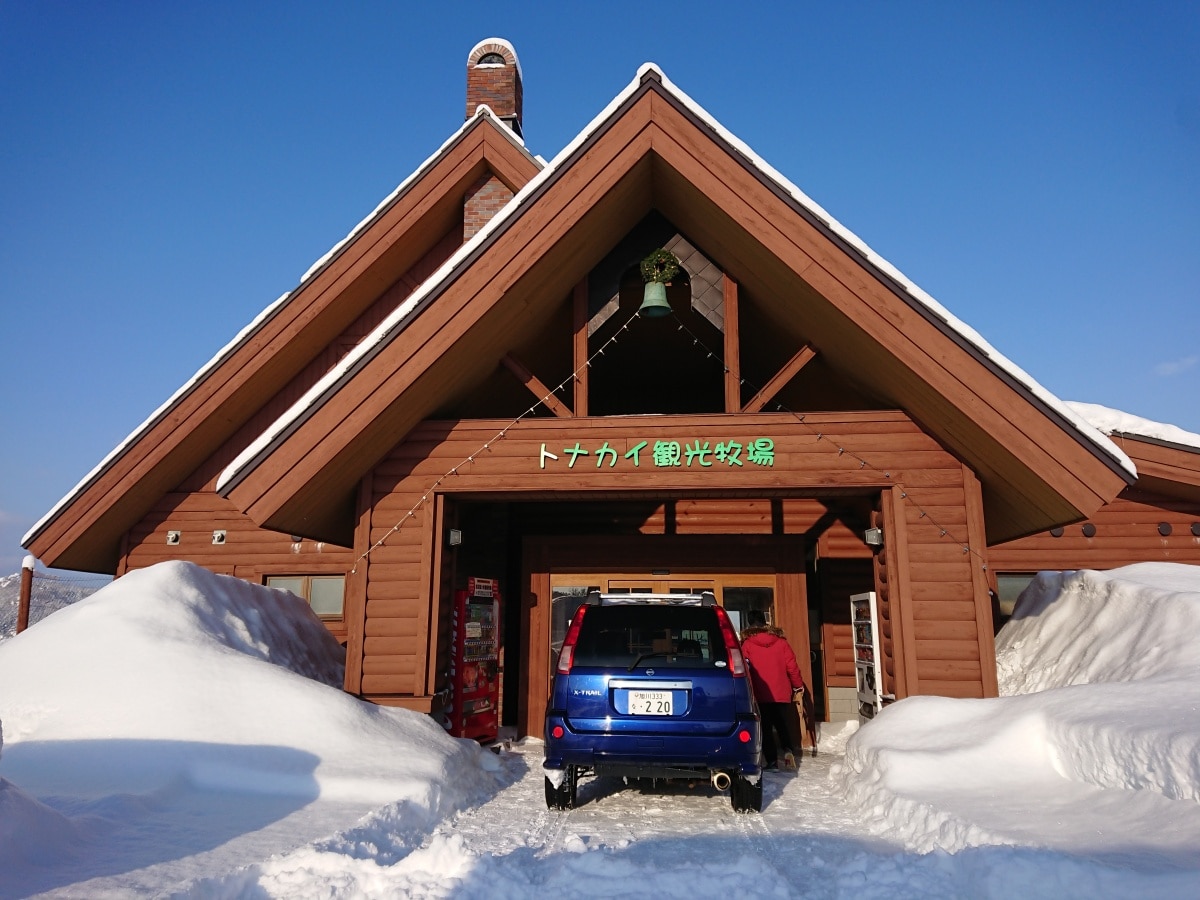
565,172
1041,473
853,259
296,471
84,534
1172,468
943,377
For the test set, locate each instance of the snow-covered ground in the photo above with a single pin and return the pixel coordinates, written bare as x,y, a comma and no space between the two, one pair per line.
181,734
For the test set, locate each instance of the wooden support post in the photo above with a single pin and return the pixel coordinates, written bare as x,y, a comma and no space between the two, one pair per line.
579,355
354,610
895,545
26,593
733,357
977,549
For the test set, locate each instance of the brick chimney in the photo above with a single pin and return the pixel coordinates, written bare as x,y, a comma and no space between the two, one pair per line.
494,79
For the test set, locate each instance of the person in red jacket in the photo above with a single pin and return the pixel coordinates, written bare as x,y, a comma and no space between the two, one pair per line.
775,677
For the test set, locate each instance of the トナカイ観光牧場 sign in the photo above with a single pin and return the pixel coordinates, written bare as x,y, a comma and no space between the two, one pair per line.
665,454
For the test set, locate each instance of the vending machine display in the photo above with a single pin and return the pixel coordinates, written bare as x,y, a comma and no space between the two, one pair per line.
863,620
475,671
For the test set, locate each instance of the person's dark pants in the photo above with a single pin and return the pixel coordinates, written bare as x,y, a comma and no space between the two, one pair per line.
782,720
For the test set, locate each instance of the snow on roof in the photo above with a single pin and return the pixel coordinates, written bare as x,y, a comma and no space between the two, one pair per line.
1113,421
348,363
263,317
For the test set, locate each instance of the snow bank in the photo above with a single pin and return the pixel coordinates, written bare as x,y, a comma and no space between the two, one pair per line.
173,675
1109,768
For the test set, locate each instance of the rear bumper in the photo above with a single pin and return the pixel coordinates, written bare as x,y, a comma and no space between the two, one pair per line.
654,755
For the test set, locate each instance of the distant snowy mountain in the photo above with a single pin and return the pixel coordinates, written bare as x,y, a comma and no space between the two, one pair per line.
50,593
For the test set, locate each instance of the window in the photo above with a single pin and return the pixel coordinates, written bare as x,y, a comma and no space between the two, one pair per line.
671,636
738,601
1009,586
324,593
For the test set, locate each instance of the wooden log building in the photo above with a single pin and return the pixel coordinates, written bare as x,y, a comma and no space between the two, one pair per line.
465,387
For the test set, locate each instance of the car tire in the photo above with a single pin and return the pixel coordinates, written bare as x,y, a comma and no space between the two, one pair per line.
563,797
744,796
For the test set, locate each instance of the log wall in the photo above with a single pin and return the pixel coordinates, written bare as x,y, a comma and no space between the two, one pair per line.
248,552
840,455
1126,531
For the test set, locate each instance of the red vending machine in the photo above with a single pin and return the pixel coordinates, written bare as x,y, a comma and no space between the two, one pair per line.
475,667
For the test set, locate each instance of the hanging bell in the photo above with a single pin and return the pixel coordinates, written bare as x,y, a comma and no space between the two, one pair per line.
654,301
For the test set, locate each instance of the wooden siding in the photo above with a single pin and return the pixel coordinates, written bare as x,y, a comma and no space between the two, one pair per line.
1126,533
249,552
503,461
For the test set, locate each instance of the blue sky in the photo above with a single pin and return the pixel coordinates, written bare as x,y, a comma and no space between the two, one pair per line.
169,169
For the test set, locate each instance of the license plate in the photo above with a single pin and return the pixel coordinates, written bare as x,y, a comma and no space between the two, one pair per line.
650,703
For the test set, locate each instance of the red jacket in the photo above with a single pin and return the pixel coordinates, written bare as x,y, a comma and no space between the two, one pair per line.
773,669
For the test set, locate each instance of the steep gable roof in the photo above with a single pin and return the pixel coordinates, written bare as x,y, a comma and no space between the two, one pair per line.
83,530
653,147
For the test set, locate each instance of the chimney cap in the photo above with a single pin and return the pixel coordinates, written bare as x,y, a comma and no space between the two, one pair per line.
494,45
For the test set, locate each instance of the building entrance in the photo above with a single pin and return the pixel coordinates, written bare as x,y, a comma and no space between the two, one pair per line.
739,593
746,573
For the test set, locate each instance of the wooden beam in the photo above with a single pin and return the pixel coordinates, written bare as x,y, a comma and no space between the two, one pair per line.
425,676
977,541
802,358
580,355
535,385
733,359
900,594
354,608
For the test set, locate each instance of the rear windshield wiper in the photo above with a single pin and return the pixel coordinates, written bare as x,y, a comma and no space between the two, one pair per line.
633,665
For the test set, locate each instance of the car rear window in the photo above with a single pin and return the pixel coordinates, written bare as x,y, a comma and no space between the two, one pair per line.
662,636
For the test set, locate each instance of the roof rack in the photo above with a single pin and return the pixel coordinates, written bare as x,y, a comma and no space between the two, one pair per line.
703,598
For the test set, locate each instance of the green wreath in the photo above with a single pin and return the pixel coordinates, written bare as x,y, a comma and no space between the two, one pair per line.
661,266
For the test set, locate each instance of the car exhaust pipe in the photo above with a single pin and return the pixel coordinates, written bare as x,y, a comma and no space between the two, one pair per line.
721,781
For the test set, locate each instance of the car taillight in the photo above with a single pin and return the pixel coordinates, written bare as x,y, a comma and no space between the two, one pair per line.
737,663
567,655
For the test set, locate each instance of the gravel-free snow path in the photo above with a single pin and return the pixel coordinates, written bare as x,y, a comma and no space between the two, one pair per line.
623,841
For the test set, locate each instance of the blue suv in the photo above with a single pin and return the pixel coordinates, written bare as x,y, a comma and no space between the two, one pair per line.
653,686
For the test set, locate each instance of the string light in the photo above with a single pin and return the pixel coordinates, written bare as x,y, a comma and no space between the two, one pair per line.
573,377
800,418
